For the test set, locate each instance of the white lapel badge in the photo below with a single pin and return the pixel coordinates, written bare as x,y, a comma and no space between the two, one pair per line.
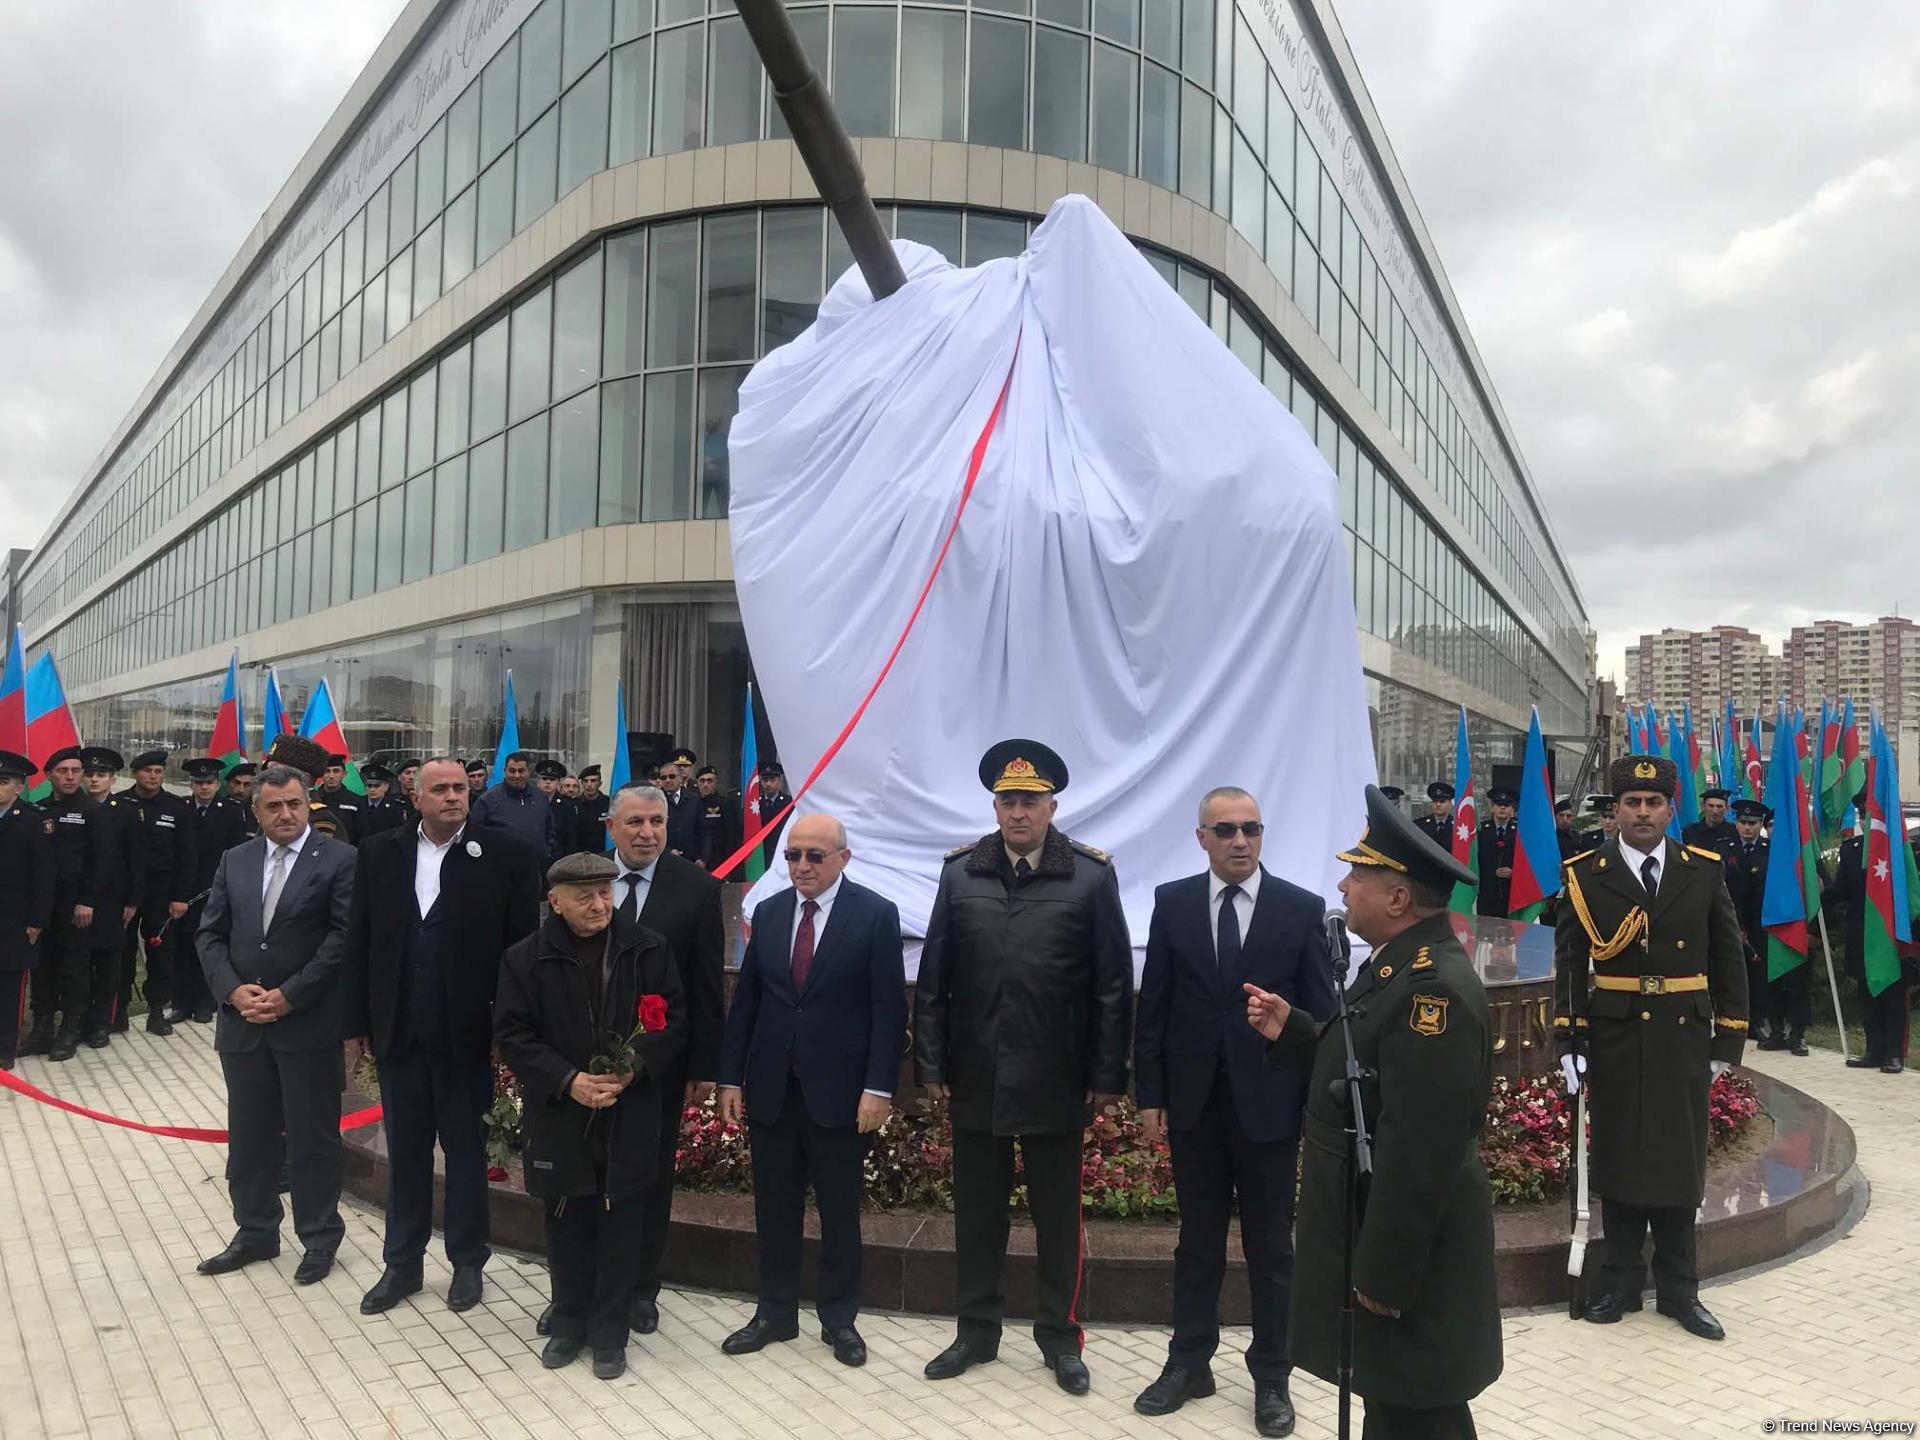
473,848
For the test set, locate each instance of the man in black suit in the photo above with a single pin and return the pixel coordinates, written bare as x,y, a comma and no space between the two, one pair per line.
1203,1084
814,1038
433,910
686,813
270,942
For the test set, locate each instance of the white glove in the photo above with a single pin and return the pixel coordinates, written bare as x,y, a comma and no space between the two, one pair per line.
1719,1068
1574,1067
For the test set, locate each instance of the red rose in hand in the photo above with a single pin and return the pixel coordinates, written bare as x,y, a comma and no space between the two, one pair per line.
653,1013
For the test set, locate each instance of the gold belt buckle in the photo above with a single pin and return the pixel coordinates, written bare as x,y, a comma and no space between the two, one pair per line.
1653,984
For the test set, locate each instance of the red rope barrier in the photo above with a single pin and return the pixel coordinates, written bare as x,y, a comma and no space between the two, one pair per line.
11,1081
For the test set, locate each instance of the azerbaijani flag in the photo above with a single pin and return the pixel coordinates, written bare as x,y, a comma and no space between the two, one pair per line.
1729,761
229,742
1685,753
756,864
13,696
1888,922
1466,824
1536,854
620,772
1827,800
50,724
1853,765
320,723
1783,904
1755,787
509,738
273,716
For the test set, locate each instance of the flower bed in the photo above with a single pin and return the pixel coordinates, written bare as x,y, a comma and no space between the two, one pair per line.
1123,1176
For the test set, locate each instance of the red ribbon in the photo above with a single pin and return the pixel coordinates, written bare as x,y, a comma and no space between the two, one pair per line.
974,462
11,1081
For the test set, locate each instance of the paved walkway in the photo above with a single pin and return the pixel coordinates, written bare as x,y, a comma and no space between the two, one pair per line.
106,1331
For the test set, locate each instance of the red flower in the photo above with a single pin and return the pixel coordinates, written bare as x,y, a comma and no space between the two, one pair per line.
653,1013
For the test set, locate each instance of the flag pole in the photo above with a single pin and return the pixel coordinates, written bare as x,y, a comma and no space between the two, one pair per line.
1833,983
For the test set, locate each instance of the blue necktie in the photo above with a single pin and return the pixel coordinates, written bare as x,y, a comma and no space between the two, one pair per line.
1227,937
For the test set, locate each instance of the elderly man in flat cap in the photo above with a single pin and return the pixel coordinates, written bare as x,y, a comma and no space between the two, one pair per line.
1021,1018
1426,1336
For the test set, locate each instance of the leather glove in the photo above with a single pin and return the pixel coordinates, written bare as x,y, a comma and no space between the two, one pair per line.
1574,1067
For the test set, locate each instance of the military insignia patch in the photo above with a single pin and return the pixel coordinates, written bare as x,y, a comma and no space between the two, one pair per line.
1645,770
49,826
1422,961
1386,972
1429,1015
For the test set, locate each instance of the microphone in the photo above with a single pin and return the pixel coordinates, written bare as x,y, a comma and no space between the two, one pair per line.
1339,946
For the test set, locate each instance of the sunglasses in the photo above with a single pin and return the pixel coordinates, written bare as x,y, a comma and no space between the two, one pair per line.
1227,829
812,857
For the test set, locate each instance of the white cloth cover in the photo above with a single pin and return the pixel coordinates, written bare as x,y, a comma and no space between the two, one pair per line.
1151,576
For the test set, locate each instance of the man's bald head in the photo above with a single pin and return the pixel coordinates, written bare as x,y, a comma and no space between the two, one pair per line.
816,853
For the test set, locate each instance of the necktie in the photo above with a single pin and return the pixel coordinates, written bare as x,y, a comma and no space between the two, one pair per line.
276,882
803,945
1226,947
630,902
1022,870
1650,875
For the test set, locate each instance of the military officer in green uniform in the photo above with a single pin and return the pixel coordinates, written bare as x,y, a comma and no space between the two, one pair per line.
1427,1313
1650,1003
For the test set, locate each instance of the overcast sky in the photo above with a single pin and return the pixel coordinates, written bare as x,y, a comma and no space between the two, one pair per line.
1683,236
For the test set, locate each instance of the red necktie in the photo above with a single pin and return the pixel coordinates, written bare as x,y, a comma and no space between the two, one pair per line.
803,945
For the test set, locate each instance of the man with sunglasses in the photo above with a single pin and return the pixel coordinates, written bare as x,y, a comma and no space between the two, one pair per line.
1204,1086
1020,1022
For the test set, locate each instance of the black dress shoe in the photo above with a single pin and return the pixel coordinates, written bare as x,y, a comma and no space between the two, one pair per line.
609,1361
314,1266
560,1351
234,1256
1607,1309
757,1334
1892,1067
644,1318
1272,1410
98,1038
848,1347
463,1293
393,1286
1070,1374
1797,1046
119,1027
64,1047
1177,1385
203,1017
544,1325
38,1042
158,1024
1772,1042
1865,1062
957,1359
1694,1318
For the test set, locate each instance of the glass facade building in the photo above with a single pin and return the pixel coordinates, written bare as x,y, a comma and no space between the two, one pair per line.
461,404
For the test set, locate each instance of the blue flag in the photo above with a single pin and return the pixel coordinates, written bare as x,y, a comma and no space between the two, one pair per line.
509,738
620,773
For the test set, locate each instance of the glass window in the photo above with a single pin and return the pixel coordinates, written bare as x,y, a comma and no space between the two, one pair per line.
329,359
733,83
400,207
321,583
352,323
456,252
863,42
310,305
530,356
539,61
1306,277
1249,86
572,502
631,18
393,440
356,443
329,277
933,52
499,94
365,538
1279,246
811,27
1222,159
1060,94
303,495
619,502
431,195
790,275
1062,12
1330,211
450,515
450,429
1249,194
729,265
994,237
389,540
939,229
1116,84
420,421
632,102
494,224
1196,144
672,294
269,511
417,549
622,350
490,379
400,292
679,89
667,454
1118,20
1197,42
536,160
309,388
997,84
719,401
324,464
426,268
1194,290
463,141
352,259
583,130
585,38
1280,139
1306,190
1160,127
527,483
486,487
576,325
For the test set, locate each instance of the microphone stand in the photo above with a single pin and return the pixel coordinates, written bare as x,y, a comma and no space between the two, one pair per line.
1347,1095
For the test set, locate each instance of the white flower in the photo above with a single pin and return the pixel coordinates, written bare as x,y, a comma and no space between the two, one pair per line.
473,848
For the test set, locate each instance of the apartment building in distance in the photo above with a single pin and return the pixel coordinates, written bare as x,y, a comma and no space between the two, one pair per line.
1704,668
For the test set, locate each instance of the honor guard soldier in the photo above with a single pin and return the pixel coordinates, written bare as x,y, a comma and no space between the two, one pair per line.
83,851
345,806
1498,837
240,792
1437,824
166,839
297,752
26,895
1426,1312
1745,861
382,810
1886,1018
112,929
1650,1003
218,824
1712,831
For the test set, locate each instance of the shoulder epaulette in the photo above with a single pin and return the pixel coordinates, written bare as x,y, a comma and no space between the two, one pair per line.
959,850
1705,854
1581,856
1091,853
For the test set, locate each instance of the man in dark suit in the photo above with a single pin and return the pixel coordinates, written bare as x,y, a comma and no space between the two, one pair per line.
814,1038
686,813
1203,1084
270,941
721,813
26,895
433,910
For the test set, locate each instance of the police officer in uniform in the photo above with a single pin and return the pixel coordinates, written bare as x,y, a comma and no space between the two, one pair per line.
382,810
83,851
686,819
166,840
1745,861
240,793
26,895
590,810
405,776
1712,831
345,806
719,813
1426,1305
771,794
112,930
548,774
1438,824
218,824
1498,837
1650,1003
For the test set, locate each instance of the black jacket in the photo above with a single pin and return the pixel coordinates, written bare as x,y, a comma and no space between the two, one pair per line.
165,836
216,830
1025,987
683,908
1747,883
487,902
1496,853
26,882
843,1034
687,824
543,1026
1193,1015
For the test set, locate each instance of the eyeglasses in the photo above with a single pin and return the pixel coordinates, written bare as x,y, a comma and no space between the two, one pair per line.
812,857
1227,829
